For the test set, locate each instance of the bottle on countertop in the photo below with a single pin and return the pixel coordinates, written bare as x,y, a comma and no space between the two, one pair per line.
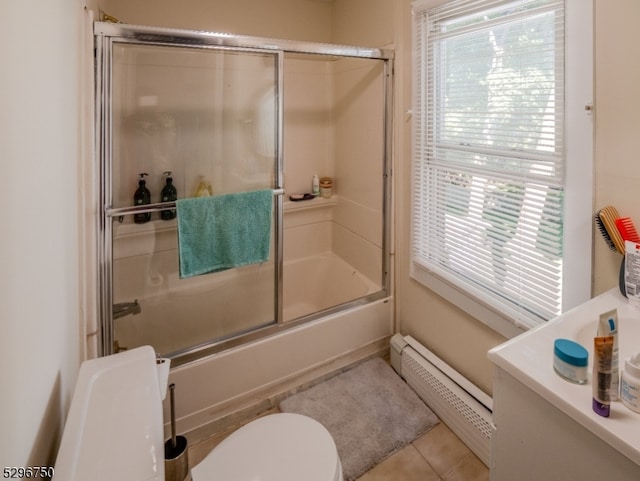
315,186
169,194
142,196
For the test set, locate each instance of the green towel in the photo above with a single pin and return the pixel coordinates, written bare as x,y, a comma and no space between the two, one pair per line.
223,231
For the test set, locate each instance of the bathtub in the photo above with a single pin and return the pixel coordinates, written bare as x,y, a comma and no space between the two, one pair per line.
545,426
180,313
316,283
250,379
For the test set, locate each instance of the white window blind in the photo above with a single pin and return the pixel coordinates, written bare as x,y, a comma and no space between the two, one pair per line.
489,152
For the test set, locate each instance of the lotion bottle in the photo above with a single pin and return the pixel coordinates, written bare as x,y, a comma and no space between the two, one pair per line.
142,196
315,186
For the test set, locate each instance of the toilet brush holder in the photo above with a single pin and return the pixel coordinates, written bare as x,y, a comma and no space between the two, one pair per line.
176,449
176,460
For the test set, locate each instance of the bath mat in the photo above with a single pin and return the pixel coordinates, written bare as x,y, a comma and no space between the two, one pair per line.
370,412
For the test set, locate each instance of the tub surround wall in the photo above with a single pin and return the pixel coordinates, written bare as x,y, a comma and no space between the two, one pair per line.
308,227
202,114
336,106
308,134
359,135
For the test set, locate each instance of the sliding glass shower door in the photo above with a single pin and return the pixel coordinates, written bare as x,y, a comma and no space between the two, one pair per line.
206,120
204,112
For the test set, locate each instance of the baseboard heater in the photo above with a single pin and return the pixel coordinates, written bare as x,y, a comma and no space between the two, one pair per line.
461,405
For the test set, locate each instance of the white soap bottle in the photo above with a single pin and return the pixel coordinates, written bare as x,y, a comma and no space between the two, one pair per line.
315,186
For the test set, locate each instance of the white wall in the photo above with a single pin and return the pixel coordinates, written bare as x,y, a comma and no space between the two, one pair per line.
40,333
308,20
364,22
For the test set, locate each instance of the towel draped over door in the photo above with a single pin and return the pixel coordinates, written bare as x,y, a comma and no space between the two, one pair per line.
223,231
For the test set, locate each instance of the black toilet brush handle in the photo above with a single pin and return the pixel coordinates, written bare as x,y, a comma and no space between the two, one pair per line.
172,401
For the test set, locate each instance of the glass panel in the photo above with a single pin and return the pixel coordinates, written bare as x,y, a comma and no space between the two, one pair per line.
209,117
334,127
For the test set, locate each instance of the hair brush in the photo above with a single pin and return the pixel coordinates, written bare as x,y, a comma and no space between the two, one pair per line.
606,222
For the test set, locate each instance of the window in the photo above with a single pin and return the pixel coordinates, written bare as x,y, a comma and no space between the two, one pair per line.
496,198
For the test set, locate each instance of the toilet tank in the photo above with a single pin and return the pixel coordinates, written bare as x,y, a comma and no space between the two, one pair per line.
114,428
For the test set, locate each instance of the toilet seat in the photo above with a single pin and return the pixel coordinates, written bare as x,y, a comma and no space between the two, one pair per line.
277,447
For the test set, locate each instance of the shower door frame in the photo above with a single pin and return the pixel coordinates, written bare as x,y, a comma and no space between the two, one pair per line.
106,34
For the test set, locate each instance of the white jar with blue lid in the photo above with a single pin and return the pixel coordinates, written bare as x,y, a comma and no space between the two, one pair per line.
570,360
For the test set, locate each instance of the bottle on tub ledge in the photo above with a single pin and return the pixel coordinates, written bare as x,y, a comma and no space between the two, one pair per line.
326,187
168,194
203,189
142,196
315,186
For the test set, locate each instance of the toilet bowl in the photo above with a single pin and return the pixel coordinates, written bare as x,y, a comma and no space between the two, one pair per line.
277,447
114,431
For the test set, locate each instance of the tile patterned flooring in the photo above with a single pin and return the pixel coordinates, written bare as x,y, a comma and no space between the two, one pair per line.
438,455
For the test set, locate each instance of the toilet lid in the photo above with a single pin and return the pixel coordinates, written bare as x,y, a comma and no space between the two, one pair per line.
277,447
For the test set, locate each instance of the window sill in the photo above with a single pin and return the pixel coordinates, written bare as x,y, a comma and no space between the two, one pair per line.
470,304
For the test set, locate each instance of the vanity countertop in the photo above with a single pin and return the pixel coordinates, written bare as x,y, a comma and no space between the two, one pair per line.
529,359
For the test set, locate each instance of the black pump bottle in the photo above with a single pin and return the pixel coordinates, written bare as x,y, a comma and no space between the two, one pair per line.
168,194
142,197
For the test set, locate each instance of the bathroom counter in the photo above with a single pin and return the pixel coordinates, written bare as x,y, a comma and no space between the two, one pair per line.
552,409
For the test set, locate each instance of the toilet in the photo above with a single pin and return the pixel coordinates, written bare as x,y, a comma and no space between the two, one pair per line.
276,447
114,431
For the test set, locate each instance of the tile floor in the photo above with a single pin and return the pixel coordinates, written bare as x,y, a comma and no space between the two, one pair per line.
438,455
